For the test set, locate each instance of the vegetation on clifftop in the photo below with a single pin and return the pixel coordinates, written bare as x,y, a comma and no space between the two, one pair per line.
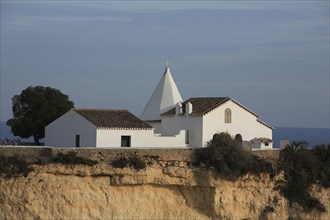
301,166
72,158
13,166
133,161
229,158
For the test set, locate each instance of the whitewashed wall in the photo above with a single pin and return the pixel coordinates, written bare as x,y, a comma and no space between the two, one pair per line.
157,126
62,132
264,131
256,144
139,138
242,122
177,140
172,125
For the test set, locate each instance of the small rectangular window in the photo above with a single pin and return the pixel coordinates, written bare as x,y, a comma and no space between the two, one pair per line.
125,141
77,140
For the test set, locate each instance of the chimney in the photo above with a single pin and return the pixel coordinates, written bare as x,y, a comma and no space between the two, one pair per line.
178,108
189,108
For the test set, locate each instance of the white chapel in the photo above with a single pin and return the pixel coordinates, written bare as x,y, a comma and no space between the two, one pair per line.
166,121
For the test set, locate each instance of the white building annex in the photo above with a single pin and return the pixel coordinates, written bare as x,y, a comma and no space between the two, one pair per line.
166,121
105,128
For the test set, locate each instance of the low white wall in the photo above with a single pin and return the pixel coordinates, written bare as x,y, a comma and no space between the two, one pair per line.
170,141
157,126
262,146
139,138
172,125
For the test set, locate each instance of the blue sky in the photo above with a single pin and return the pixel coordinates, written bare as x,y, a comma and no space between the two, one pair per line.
272,56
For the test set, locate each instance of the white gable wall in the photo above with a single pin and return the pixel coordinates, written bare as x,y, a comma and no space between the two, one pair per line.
264,131
62,132
242,122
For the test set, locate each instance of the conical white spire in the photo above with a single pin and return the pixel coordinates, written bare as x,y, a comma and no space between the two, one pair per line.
165,97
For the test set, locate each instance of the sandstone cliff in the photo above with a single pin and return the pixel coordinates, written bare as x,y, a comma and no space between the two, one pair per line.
164,190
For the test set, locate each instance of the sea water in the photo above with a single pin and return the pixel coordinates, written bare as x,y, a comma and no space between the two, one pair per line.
313,136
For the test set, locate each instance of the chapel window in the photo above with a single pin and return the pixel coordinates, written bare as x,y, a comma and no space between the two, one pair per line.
228,115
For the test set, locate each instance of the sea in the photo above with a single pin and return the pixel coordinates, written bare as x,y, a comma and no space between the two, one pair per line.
313,136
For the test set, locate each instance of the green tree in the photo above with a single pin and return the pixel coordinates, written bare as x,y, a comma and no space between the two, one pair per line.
35,108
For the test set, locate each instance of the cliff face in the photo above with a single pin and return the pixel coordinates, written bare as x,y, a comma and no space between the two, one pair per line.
164,190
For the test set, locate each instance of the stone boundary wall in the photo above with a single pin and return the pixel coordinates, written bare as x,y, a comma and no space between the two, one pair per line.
26,151
102,154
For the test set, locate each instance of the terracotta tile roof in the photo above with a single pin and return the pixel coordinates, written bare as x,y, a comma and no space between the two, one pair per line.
201,106
108,118
204,105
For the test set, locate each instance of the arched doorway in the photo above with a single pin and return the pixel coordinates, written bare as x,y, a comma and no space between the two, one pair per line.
239,139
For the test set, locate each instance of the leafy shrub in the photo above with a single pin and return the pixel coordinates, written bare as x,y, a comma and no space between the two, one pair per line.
137,162
228,157
301,168
72,158
13,166
120,162
322,153
133,161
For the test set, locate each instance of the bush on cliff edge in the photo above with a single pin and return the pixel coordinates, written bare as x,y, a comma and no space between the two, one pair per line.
228,157
13,166
133,161
72,158
303,167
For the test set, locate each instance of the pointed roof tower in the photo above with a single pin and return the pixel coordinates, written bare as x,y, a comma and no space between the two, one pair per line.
165,97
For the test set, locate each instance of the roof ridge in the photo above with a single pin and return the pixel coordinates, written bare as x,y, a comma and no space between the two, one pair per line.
216,102
226,99
98,109
205,97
